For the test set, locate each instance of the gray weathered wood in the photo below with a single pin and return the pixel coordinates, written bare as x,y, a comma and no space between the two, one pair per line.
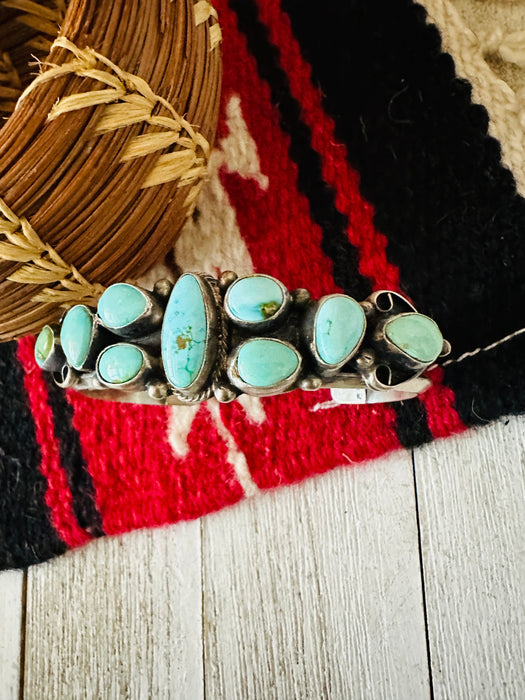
11,585
309,592
471,495
315,592
120,619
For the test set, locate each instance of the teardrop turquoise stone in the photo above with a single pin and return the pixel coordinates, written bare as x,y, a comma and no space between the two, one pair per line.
120,363
44,345
75,335
184,333
121,304
254,299
416,335
339,327
263,362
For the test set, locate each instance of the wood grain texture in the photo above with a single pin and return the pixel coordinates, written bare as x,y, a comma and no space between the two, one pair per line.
471,495
306,592
119,619
315,591
11,586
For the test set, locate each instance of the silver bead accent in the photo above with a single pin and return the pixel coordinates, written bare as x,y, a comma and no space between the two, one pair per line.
157,390
163,288
310,383
300,296
226,279
225,394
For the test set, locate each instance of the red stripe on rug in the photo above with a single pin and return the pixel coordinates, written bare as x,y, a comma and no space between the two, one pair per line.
371,244
293,441
138,480
303,435
439,401
275,223
58,496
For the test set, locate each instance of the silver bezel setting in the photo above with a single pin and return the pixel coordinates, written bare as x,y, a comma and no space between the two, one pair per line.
55,359
98,340
137,382
268,323
211,310
381,358
144,325
309,325
393,348
250,389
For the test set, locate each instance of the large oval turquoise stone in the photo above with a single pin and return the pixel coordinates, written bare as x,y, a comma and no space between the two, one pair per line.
121,304
254,299
120,363
44,345
184,333
264,362
338,328
75,335
416,335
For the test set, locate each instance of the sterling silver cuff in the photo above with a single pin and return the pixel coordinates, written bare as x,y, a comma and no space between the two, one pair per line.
204,337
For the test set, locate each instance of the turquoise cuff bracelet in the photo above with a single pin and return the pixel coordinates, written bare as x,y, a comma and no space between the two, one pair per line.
204,337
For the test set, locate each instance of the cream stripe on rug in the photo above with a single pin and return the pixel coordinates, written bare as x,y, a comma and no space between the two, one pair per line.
505,106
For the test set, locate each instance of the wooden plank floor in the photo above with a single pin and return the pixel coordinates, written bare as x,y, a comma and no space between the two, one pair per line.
402,579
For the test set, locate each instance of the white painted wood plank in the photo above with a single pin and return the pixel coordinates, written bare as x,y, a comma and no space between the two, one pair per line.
118,619
11,586
471,493
315,591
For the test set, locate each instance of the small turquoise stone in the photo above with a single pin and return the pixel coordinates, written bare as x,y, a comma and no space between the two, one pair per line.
416,335
254,299
184,332
120,363
44,345
121,304
75,335
338,328
264,362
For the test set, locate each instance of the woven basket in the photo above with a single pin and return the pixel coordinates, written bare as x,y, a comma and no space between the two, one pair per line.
104,151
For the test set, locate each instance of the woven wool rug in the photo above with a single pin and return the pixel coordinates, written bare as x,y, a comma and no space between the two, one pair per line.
377,144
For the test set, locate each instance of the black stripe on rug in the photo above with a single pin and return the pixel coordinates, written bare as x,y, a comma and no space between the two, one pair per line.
442,197
73,463
490,384
321,197
26,534
411,423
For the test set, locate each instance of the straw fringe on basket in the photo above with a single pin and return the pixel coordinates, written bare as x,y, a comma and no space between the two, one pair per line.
43,19
203,11
43,265
134,101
